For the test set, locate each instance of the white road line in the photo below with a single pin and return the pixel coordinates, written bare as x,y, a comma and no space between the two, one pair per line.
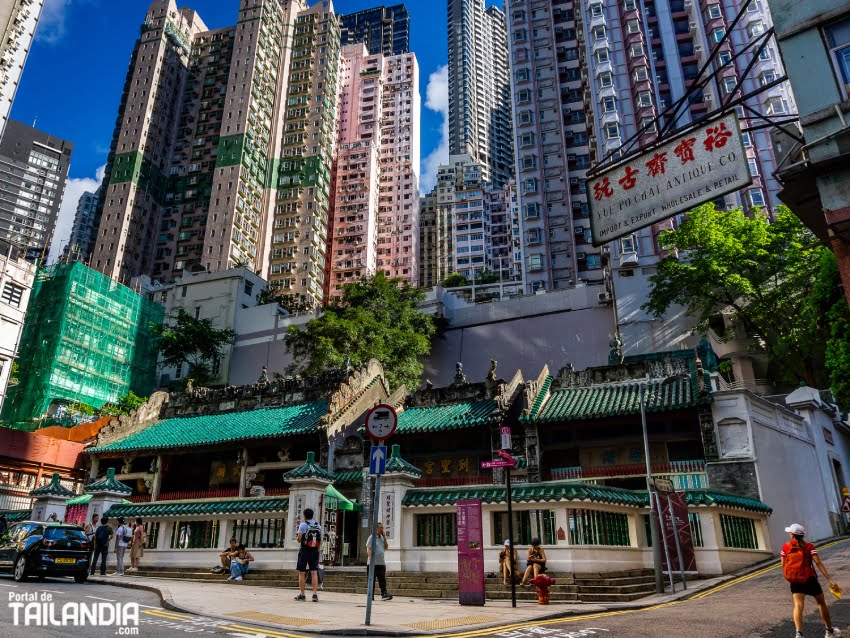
148,606
7,585
52,591
109,600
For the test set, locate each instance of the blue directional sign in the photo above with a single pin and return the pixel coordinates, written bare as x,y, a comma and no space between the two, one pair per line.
378,459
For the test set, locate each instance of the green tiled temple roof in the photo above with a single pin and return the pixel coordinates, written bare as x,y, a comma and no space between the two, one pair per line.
213,429
455,416
309,470
616,399
398,464
566,491
83,499
200,508
538,400
348,476
15,516
109,484
54,488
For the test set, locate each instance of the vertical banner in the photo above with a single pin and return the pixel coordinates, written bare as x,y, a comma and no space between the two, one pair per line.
388,514
673,504
470,553
298,504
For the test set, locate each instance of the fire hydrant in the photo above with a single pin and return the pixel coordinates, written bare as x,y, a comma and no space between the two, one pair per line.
543,583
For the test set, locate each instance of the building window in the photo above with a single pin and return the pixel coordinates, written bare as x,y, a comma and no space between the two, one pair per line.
628,5
602,56
591,527
535,262
632,26
728,84
776,105
641,74
436,530
644,99
717,35
712,12
249,287
605,80
599,33
754,28
766,77
755,197
532,211
594,262
753,166
636,50
530,185
528,524
612,131
738,532
609,104
12,294
838,41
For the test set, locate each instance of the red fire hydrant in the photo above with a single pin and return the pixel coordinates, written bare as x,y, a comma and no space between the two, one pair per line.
543,583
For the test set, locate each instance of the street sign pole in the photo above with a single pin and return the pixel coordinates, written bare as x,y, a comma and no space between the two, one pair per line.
511,534
370,590
676,538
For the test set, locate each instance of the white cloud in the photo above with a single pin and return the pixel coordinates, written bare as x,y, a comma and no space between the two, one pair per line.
74,189
51,23
437,99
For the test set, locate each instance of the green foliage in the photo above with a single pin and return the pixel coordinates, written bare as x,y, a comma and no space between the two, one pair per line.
831,314
13,374
124,405
487,277
293,304
455,279
376,318
764,271
192,341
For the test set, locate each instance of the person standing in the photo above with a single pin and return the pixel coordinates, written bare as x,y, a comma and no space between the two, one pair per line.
101,545
89,531
310,537
798,561
381,545
137,548
123,538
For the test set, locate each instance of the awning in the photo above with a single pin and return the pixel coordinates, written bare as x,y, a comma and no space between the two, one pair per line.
343,503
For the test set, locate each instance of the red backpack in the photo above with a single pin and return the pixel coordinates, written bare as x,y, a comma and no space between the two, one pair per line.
797,567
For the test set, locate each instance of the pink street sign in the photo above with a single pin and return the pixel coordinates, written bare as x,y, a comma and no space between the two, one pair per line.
489,465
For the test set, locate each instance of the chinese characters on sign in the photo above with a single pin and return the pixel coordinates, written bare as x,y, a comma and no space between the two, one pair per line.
446,467
388,513
470,553
299,509
687,171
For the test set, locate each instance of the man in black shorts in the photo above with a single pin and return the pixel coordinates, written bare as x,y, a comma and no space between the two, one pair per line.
310,537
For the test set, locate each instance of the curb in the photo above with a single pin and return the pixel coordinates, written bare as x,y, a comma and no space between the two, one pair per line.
167,602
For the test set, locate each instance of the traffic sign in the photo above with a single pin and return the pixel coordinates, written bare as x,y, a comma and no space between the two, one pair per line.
506,438
664,485
381,422
845,504
489,465
378,459
505,455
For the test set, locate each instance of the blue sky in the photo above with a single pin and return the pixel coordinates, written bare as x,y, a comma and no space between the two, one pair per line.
75,73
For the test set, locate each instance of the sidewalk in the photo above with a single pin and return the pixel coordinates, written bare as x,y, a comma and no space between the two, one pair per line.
344,614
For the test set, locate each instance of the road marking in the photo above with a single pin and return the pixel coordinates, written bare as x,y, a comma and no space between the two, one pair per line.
263,631
52,591
109,600
162,613
7,585
610,614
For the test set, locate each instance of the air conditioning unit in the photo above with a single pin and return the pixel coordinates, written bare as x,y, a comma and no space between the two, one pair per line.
604,297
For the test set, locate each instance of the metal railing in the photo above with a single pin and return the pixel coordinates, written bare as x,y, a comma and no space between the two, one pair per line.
230,492
671,468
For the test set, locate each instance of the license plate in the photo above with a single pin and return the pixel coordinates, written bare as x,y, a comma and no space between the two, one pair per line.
66,561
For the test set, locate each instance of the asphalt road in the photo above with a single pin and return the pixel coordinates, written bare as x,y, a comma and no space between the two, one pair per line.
754,608
153,620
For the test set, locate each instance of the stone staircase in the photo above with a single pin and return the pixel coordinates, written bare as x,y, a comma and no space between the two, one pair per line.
609,587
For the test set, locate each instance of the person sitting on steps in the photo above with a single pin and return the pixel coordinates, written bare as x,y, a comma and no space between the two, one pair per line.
536,562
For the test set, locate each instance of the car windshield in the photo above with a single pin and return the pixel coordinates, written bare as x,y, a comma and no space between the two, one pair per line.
65,533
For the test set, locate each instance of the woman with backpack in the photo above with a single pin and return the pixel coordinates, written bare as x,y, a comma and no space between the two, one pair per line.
123,538
798,561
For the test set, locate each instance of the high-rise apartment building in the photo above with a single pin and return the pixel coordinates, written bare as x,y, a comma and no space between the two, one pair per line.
222,153
33,170
479,88
375,223
382,29
468,226
18,20
80,244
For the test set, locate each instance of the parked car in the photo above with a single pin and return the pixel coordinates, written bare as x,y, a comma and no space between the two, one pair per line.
32,548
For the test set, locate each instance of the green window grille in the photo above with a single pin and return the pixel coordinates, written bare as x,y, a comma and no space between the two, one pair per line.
194,534
152,533
696,529
436,530
261,532
528,524
592,527
738,532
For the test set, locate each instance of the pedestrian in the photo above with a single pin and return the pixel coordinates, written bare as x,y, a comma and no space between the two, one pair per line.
505,562
53,518
798,561
225,557
239,563
123,537
137,548
89,531
310,538
381,546
536,560
101,545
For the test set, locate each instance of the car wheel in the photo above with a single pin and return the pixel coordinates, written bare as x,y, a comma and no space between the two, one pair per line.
20,571
81,577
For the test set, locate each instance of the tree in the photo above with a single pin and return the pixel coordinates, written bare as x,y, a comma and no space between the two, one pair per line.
376,318
193,341
765,272
454,280
293,304
831,314
124,405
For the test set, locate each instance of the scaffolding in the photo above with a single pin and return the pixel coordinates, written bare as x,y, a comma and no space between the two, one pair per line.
86,339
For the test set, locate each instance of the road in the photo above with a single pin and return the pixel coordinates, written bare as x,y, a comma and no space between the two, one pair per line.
758,607
153,620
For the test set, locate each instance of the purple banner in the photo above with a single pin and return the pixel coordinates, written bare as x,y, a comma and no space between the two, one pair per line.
470,553
675,502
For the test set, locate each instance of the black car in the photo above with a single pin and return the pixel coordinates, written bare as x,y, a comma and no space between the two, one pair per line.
31,548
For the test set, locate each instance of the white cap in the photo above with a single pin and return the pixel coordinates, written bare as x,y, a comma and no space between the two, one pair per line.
796,529
507,542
